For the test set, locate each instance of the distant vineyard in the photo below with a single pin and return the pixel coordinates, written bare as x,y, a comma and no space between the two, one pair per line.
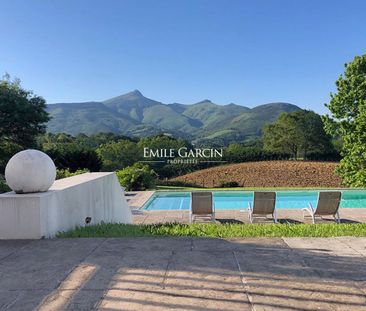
267,174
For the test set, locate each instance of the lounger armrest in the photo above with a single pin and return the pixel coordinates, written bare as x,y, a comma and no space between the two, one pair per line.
309,209
310,206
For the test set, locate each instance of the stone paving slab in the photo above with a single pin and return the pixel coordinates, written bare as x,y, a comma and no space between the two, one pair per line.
183,274
9,246
359,245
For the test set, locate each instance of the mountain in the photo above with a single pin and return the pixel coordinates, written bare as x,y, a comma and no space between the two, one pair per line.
150,112
89,117
135,115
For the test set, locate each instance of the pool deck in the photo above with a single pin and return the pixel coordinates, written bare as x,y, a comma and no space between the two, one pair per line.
199,274
138,199
348,215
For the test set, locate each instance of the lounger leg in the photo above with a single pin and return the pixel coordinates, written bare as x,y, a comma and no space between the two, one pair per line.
250,214
311,211
337,218
274,216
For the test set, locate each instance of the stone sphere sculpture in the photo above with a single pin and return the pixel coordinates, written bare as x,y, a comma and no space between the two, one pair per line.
30,171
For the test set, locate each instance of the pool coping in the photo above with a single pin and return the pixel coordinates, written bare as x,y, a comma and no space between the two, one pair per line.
138,199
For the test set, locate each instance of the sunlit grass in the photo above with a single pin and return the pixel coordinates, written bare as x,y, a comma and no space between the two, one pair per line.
218,230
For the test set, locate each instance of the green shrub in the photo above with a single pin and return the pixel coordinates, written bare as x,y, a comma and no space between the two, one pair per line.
3,186
250,154
229,184
137,177
325,156
177,183
116,155
64,173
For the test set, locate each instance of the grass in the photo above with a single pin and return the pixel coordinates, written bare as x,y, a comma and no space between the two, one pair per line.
218,230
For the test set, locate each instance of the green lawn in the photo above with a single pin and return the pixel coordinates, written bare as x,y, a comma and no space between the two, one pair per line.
218,230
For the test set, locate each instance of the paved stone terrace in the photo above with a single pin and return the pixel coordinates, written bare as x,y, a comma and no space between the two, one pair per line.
198,274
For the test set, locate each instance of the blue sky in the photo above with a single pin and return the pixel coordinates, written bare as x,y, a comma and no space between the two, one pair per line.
245,52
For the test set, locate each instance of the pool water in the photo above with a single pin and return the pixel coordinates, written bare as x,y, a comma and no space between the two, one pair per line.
238,200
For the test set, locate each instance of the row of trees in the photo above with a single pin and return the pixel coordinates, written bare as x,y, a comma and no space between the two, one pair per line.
114,152
302,134
108,152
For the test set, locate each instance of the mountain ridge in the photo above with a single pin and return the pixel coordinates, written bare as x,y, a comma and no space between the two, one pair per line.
133,114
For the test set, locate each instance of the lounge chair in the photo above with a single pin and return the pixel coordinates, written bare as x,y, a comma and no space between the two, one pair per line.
328,204
263,205
202,206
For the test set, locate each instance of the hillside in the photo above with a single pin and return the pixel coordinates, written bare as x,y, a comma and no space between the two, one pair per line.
135,115
268,174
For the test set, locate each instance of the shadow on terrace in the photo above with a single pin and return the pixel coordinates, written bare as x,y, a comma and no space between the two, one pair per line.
183,273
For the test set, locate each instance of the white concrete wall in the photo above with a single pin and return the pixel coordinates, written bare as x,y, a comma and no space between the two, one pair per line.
65,206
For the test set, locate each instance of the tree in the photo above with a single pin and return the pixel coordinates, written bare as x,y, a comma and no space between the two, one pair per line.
23,116
248,151
68,153
298,133
252,151
282,136
118,155
73,157
162,141
348,121
314,137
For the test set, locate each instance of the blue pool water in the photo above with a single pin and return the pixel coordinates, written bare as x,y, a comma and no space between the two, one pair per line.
238,200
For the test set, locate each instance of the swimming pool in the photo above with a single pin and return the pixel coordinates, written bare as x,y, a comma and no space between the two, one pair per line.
238,200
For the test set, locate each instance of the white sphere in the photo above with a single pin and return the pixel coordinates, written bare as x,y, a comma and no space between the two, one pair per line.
30,171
